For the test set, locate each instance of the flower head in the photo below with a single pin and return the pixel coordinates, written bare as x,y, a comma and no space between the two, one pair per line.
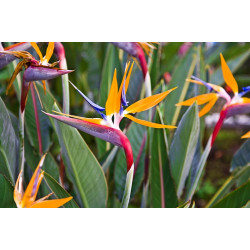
107,127
232,103
34,70
27,199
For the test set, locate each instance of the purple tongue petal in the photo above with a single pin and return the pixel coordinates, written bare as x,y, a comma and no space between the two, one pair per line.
96,107
34,73
130,47
103,132
238,109
123,97
35,183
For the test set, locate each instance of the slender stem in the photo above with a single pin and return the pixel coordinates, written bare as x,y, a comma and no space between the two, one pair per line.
161,179
65,87
21,137
37,119
60,52
130,169
128,187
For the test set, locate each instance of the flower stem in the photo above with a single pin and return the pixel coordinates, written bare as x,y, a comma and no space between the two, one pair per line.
128,187
60,52
21,138
37,119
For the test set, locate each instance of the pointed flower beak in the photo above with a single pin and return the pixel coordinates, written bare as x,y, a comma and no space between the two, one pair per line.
5,59
27,199
96,127
93,126
37,73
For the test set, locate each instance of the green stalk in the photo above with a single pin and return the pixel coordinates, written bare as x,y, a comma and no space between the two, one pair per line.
21,140
65,87
128,187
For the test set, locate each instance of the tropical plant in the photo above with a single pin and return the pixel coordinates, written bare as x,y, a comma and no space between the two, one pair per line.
163,165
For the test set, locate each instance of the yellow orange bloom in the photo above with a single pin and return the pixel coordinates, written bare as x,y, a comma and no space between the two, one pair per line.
27,199
211,98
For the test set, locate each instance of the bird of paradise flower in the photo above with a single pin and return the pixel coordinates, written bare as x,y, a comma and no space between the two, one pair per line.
34,70
107,127
27,199
234,105
237,104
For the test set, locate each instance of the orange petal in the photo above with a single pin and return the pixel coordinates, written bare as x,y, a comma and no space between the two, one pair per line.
44,86
128,78
112,101
15,73
28,197
51,203
42,199
147,123
49,51
93,120
228,76
18,191
38,51
247,135
208,107
201,99
147,102
245,100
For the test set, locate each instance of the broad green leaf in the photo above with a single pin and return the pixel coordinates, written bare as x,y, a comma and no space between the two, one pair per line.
59,191
212,53
237,198
242,156
109,159
199,170
229,183
80,159
183,147
135,134
31,127
163,192
7,192
233,64
86,173
247,205
14,122
169,57
229,51
154,68
8,145
111,62
184,70
32,158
